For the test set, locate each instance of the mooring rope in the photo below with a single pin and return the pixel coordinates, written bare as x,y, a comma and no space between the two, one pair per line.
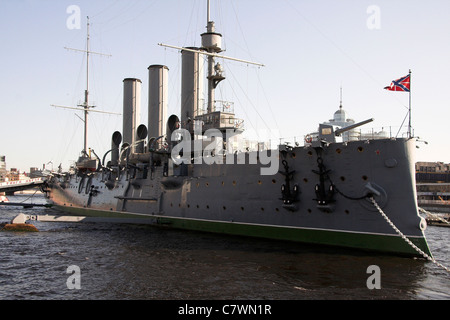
426,256
433,215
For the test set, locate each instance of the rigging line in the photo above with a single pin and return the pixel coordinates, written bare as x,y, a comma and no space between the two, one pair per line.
189,26
141,12
98,136
243,109
78,84
173,96
220,24
250,102
267,101
97,89
340,49
105,9
62,137
30,196
401,126
332,42
127,9
242,32
68,143
123,10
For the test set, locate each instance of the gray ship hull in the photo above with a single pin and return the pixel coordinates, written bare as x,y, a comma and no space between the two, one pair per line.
295,204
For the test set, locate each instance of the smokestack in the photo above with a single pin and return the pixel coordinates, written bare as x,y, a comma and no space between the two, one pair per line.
157,102
131,110
115,143
191,88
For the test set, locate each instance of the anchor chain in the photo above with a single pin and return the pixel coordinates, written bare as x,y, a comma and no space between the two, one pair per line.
289,195
320,189
433,215
426,256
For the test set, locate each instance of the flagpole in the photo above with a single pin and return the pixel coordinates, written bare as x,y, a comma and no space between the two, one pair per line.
409,125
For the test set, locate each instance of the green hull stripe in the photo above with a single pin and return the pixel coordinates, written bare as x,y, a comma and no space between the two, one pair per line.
365,241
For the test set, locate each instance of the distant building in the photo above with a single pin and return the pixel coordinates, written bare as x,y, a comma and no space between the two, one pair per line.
13,175
433,186
341,120
432,172
2,169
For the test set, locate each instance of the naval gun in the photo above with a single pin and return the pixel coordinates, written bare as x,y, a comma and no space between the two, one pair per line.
327,134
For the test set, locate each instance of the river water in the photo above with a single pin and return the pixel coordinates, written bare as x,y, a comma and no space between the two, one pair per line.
115,261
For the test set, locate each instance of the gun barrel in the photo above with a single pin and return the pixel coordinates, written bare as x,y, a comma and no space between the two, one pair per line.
338,132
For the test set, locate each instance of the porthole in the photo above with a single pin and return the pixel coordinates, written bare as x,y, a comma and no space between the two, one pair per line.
360,149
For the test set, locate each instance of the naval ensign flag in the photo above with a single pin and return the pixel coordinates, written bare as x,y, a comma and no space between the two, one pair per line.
403,84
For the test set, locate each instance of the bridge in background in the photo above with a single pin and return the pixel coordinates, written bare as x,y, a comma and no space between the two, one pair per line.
10,187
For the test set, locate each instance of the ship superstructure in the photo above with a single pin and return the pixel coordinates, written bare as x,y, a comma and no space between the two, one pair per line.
194,172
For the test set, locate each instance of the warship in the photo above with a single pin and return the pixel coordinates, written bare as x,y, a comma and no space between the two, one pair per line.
194,171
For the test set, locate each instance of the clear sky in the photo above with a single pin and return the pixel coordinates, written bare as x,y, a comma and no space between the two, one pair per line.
310,49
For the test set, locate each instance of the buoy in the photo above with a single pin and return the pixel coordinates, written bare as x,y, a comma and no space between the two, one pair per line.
19,227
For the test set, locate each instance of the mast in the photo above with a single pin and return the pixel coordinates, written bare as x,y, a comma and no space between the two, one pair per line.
208,13
211,47
212,42
85,105
409,124
86,93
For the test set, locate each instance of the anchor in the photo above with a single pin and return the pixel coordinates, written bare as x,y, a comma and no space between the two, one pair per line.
324,196
289,196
